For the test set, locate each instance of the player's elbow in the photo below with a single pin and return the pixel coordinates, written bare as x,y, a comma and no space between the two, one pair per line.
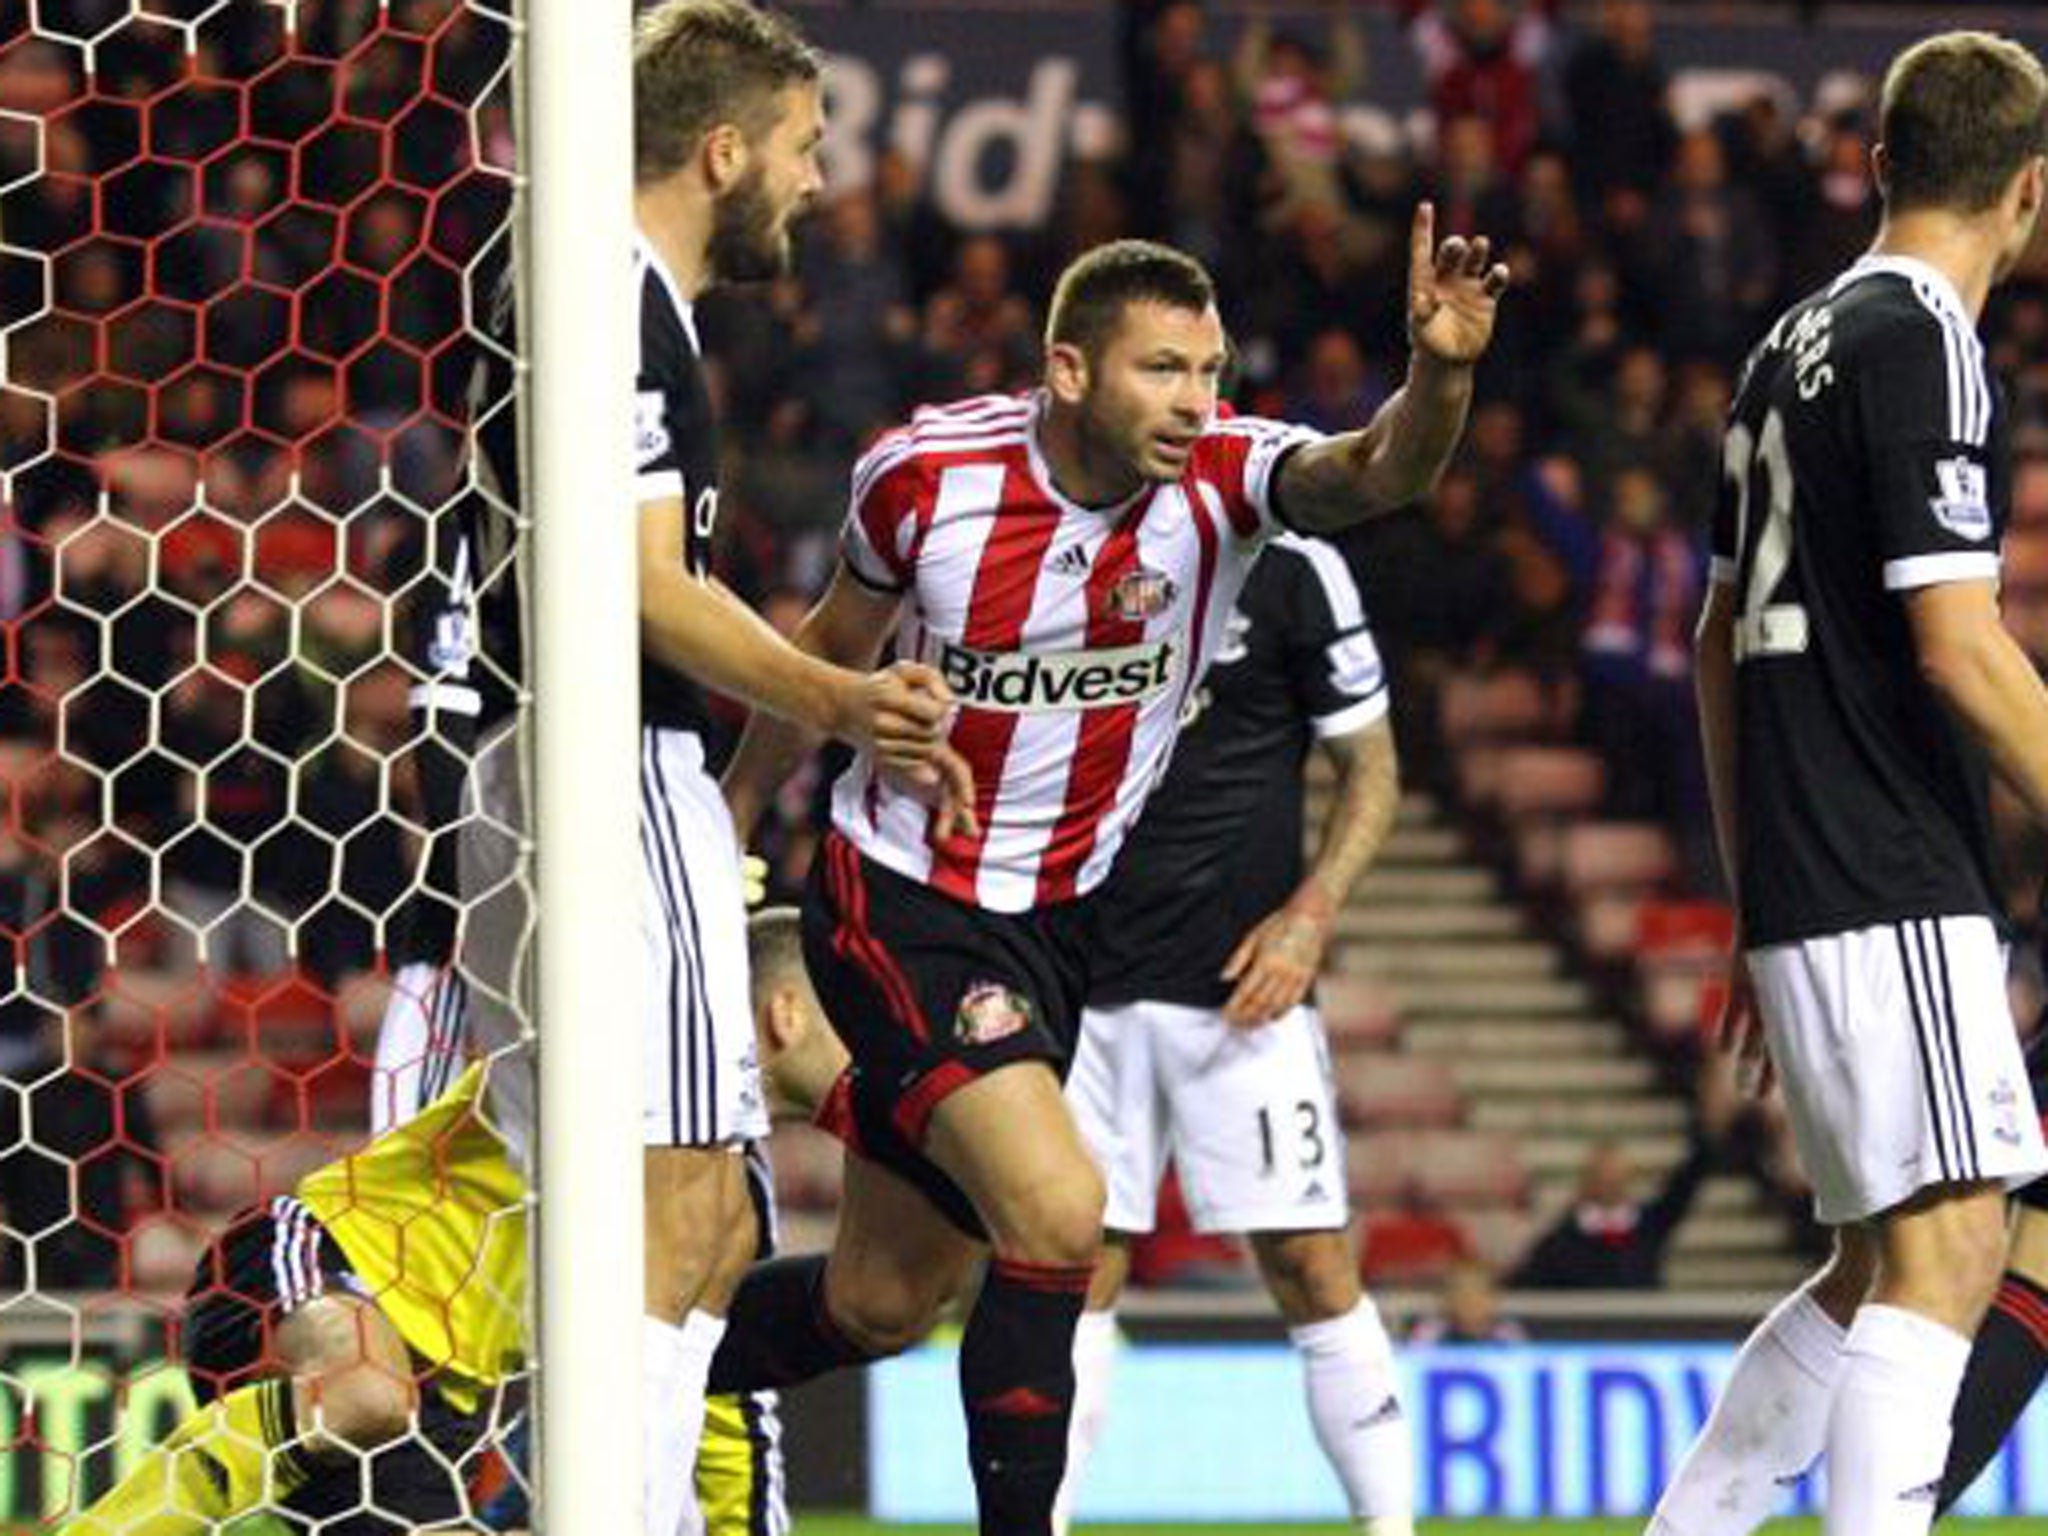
1393,478
662,577
1959,641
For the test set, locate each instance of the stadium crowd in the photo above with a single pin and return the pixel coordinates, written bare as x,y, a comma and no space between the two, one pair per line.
268,325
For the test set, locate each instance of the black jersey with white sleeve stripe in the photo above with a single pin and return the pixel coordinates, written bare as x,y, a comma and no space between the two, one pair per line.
1865,458
1219,845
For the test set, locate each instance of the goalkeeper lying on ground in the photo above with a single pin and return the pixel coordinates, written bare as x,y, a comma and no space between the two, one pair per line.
352,1344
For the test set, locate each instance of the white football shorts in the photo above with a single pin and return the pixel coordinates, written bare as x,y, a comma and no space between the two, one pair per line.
1248,1117
1901,1065
703,1082
703,1076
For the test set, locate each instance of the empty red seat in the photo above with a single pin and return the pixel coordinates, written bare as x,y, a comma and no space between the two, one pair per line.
1500,1236
1665,926
1459,1168
208,1091
281,1016
1358,1012
1409,1246
1390,1088
1549,781
1609,855
147,1011
1500,706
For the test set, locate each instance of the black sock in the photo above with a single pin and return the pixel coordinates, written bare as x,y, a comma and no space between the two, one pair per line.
2006,1364
777,1331
1017,1381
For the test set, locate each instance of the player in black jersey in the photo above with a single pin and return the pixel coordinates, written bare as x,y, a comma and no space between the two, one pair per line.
1854,678
1201,1041
423,1040
728,117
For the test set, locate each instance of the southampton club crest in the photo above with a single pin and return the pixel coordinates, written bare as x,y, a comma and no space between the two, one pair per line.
1141,594
989,1011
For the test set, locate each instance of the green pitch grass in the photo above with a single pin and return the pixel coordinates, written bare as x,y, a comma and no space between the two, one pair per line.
853,1525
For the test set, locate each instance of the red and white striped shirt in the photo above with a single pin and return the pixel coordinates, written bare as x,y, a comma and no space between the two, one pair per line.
1071,636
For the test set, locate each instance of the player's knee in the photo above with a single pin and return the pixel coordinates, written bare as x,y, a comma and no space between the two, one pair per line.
739,1245
1060,1222
1979,1244
677,1272
884,1315
1310,1274
700,1234
1973,1244
1843,1284
1947,1263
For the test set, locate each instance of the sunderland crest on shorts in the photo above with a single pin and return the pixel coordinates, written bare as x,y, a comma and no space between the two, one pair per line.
1141,594
989,1011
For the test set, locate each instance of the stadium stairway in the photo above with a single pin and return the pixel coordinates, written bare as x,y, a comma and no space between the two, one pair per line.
1501,1067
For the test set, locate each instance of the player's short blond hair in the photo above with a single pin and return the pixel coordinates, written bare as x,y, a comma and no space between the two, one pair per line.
1960,114
775,952
698,64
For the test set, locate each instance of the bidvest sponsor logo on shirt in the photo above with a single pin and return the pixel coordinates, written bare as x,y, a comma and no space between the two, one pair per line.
1028,682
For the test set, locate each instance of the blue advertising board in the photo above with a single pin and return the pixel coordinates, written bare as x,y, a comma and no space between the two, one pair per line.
1220,1432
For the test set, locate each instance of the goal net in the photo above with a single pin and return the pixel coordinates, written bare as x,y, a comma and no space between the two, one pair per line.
246,254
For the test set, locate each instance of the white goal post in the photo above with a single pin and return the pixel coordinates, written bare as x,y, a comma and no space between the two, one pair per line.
580,348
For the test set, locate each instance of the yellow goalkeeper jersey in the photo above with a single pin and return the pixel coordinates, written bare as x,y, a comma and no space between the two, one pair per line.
432,1216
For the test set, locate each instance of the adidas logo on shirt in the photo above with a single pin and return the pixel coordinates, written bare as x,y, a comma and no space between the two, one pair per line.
1071,561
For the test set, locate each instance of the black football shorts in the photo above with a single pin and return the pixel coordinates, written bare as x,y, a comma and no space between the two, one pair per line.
930,993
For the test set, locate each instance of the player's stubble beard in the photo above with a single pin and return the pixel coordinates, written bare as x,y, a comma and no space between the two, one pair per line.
749,239
1113,447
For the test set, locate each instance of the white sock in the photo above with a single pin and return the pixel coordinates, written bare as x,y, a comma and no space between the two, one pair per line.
674,1364
1769,1425
1354,1402
1095,1339
419,1043
1888,1435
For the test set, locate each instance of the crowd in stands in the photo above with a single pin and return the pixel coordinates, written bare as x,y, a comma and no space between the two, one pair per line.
256,308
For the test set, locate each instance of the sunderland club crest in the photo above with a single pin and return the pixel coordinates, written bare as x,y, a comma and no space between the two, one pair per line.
1141,594
989,1011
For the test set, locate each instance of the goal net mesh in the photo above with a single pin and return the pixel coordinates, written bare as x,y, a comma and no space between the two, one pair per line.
244,254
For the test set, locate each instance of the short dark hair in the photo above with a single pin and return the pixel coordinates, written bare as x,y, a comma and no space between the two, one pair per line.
1961,113
1092,294
700,63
